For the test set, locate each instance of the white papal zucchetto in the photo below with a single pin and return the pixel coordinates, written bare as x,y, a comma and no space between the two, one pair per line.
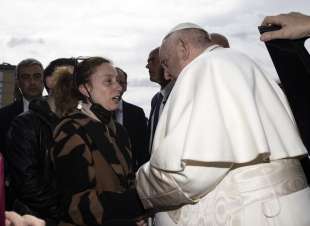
183,26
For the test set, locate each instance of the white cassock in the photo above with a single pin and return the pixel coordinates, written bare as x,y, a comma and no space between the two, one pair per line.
225,149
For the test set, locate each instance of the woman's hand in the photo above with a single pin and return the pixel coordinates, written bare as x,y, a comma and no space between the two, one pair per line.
14,219
141,222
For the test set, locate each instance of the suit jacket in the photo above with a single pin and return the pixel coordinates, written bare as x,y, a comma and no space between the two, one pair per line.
7,114
156,103
153,104
136,125
149,124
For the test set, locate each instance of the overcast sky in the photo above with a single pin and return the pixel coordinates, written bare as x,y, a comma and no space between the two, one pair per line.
125,31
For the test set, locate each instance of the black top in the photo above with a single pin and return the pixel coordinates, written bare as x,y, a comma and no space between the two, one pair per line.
29,138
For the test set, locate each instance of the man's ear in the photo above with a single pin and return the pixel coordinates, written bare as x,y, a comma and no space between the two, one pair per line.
183,49
82,89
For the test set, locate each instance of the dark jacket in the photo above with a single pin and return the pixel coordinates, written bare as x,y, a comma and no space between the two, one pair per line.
7,114
136,124
29,138
92,161
151,131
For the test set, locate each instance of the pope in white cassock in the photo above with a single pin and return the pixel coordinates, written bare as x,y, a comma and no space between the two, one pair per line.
226,147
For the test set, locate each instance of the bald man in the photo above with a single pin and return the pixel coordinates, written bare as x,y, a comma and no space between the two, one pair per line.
219,39
158,75
226,146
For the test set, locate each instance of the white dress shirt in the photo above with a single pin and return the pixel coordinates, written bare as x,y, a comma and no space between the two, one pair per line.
119,113
25,105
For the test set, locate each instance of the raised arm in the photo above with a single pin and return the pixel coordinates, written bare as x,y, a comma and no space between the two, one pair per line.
293,26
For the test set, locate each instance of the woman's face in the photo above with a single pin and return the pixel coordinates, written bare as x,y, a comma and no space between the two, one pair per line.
104,87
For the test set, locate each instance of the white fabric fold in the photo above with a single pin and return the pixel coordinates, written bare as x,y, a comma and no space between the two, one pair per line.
223,108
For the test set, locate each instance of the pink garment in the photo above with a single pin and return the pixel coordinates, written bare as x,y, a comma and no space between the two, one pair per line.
2,192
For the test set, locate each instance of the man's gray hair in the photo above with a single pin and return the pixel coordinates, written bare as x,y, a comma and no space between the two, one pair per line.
25,63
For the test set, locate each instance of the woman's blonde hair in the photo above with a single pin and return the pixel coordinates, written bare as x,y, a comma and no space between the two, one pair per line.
63,92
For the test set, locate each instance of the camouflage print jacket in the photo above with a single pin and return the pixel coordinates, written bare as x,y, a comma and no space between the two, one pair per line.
92,163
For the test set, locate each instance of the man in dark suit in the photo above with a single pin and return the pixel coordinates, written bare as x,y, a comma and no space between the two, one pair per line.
158,75
133,119
29,81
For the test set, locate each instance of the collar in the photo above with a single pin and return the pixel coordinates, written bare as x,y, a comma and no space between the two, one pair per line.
97,112
25,104
85,109
212,47
42,109
167,89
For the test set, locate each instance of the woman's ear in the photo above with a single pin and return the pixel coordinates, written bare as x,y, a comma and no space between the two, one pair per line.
82,89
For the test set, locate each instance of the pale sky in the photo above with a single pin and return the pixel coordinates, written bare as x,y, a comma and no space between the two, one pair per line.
126,30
